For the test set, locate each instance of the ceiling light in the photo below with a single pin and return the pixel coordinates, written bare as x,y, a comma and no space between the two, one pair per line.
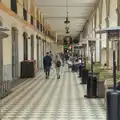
67,18
67,28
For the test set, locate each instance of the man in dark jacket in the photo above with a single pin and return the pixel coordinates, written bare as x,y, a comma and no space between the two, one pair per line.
47,62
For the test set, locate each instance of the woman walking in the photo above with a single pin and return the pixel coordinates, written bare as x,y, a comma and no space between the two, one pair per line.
58,65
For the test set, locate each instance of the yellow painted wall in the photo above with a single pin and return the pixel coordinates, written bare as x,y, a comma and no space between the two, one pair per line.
7,3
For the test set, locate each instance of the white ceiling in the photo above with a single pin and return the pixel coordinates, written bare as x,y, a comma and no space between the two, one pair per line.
55,12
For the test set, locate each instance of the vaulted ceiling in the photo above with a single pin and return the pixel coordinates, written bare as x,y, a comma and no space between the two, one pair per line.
55,12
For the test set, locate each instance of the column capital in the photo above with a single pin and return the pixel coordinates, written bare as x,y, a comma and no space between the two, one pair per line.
107,19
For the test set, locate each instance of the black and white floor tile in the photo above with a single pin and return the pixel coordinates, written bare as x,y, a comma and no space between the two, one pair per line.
52,99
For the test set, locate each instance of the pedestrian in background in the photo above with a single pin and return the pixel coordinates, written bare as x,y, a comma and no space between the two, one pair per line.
47,62
58,65
51,55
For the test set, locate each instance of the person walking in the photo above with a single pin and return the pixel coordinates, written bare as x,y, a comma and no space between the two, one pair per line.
58,65
51,55
47,62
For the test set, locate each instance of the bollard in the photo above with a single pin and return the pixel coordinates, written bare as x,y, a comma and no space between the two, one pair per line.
91,86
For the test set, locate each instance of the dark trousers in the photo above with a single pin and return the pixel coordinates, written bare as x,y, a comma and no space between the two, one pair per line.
47,71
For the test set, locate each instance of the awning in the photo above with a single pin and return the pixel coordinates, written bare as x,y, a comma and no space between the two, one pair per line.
109,29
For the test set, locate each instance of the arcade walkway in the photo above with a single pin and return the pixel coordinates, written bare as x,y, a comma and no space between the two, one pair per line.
40,99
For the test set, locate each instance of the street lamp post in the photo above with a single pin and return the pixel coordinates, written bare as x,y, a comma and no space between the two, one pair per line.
113,96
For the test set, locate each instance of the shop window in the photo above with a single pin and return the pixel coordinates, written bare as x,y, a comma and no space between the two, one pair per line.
14,5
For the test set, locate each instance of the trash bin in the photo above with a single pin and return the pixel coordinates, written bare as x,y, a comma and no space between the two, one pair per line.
84,76
80,70
28,69
92,85
113,105
100,89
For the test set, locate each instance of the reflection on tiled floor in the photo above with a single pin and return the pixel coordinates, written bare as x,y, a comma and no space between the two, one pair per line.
52,99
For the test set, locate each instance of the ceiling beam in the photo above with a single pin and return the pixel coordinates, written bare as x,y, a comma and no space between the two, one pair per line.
77,6
62,17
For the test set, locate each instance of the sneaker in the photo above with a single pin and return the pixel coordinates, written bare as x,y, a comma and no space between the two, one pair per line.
58,77
46,77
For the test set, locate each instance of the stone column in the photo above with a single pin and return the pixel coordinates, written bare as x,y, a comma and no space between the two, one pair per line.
107,25
100,23
95,31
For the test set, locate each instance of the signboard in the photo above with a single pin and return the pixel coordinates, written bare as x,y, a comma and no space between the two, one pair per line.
65,46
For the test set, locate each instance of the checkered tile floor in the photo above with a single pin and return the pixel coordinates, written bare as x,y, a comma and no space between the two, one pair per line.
52,99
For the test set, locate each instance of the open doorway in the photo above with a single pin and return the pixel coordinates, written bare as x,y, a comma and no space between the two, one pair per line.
32,47
14,53
38,54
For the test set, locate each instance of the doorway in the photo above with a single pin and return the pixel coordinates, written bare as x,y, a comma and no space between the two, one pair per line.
15,61
32,47
25,46
38,54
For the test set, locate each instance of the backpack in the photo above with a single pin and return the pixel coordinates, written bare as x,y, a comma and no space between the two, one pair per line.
58,63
